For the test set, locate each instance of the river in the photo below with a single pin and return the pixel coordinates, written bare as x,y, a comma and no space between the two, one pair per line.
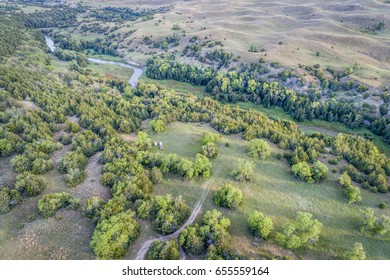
133,81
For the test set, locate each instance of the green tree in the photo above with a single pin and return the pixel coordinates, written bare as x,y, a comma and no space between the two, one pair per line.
191,240
163,250
228,196
300,232
8,199
357,252
30,184
113,236
258,149
244,171
260,225
157,126
143,142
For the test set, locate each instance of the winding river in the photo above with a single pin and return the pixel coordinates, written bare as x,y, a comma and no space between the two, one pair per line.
133,81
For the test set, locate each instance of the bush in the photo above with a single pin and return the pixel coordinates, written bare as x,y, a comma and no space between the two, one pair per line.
210,137
8,199
93,207
244,171
382,205
87,142
352,192
156,175
299,233
228,196
163,250
71,127
373,223
30,184
210,150
258,149
316,173
357,252
50,203
157,126
113,236
260,225
72,160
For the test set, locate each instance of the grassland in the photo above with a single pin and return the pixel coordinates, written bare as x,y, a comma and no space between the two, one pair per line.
276,193
291,32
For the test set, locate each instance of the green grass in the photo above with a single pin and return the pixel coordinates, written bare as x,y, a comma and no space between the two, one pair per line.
276,193
111,71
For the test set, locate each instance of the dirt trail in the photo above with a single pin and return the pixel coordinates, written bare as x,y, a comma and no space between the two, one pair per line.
198,206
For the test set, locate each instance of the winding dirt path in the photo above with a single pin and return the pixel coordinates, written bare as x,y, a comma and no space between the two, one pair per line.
198,206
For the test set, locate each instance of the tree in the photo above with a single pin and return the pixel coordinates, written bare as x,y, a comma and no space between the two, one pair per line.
316,173
157,126
258,149
30,184
373,223
191,240
228,196
143,142
300,232
244,171
352,192
357,252
260,225
113,236
163,250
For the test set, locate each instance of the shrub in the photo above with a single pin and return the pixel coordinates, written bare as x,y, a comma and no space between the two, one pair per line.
258,149
156,175
30,184
93,207
8,199
316,173
228,196
260,225
113,236
357,252
244,171
157,126
210,150
370,222
191,240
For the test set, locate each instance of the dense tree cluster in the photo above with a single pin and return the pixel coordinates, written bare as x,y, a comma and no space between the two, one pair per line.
163,250
369,166
113,236
300,232
228,196
209,147
165,212
87,143
50,203
246,84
